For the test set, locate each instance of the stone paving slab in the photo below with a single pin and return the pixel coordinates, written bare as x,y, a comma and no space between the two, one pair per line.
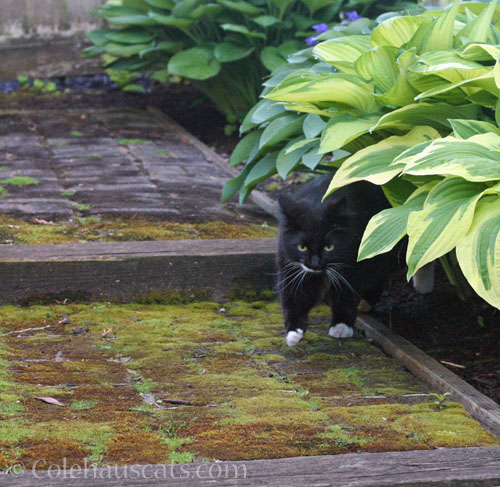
108,163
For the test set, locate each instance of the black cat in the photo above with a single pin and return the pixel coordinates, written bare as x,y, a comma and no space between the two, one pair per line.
317,254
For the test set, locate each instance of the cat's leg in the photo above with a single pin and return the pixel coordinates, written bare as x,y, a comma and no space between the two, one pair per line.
296,307
344,312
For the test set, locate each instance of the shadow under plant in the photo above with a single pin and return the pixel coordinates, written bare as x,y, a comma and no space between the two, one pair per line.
202,382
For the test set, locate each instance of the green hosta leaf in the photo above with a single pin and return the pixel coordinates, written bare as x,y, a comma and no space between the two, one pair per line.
166,4
313,125
433,114
464,129
271,58
195,63
287,160
443,221
300,143
184,7
226,52
474,159
245,8
398,190
342,52
244,147
262,170
137,19
265,111
440,34
479,251
124,49
395,31
338,87
314,5
171,20
205,12
134,35
373,163
344,128
98,36
311,158
388,227
281,129
232,186
241,29
477,30
266,20
379,65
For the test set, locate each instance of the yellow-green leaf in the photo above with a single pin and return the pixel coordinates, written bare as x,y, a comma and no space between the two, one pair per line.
479,251
373,163
442,222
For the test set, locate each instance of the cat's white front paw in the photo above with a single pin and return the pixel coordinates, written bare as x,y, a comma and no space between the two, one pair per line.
341,330
293,337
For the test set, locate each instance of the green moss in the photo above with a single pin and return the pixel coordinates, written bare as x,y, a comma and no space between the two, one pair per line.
68,194
133,142
79,405
76,133
18,231
243,393
19,181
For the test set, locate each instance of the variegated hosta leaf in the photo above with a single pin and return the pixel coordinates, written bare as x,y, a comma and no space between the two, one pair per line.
388,227
479,251
401,93
343,128
440,34
480,52
373,163
395,31
433,114
443,221
464,129
380,66
342,52
470,86
474,159
345,89
449,66
478,29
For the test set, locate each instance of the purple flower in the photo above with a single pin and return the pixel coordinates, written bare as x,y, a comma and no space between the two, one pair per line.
352,16
311,41
320,27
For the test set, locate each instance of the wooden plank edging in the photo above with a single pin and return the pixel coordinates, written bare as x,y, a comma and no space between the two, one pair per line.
124,271
441,379
457,467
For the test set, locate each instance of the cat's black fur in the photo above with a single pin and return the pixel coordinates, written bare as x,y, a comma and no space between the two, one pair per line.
339,222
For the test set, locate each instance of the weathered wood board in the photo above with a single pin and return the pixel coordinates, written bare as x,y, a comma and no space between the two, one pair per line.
442,380
461,467
208,269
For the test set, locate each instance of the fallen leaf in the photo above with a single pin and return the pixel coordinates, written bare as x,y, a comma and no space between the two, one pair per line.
43,222
65,320
107,332
50,400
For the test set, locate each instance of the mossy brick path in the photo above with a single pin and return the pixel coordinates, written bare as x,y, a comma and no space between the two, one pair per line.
144,384
65,164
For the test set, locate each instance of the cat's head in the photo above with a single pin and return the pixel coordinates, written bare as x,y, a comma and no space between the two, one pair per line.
316,235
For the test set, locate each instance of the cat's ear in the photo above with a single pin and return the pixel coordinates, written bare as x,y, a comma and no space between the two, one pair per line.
338,208
290,209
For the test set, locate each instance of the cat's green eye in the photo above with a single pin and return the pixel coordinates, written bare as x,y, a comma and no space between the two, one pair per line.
328,248
302,247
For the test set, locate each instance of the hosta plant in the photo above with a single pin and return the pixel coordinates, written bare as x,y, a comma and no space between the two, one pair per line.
414,106
225,47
